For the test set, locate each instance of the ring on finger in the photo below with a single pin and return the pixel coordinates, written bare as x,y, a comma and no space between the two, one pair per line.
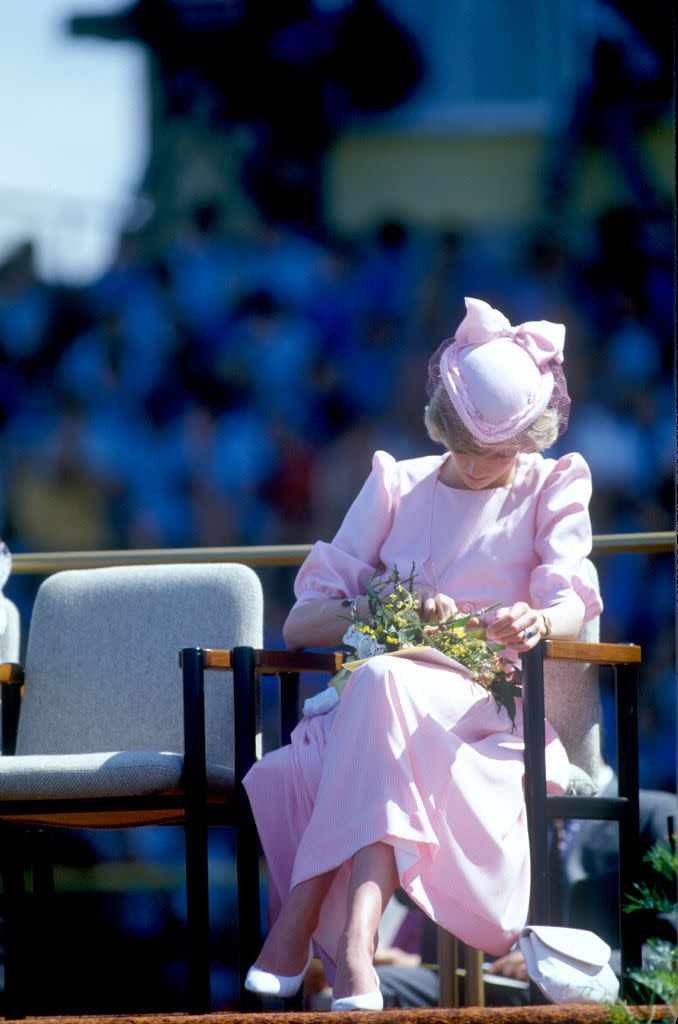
528,634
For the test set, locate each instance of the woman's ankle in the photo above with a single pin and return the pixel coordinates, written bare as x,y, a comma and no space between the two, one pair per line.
284,961
358,942
284,952
355,973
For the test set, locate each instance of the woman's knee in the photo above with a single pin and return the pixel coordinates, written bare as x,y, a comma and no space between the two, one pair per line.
380,679
374,676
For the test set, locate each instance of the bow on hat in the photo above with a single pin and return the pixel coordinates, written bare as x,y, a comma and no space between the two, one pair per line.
542,340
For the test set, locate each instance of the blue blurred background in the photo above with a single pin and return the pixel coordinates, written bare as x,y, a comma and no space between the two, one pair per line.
231,233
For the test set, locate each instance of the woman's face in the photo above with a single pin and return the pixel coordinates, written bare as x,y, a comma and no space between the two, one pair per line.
477,472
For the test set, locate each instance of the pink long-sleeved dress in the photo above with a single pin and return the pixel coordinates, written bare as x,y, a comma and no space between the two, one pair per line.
416,755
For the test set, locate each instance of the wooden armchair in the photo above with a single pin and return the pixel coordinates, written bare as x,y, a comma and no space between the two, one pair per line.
624,659
247,664
574,665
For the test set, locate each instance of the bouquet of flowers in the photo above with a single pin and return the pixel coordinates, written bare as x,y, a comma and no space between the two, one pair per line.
395,624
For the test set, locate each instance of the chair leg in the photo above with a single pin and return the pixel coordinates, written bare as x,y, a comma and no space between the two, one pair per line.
13,905
197,914
249,902
535,794
195,830
42,918
450,950
535,784
448,959
629,824
474,987
246,724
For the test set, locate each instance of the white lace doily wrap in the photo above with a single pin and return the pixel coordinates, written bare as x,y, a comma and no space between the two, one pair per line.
5,569
324,701
569,965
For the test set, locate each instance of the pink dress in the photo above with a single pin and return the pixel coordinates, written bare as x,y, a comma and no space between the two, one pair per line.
417,755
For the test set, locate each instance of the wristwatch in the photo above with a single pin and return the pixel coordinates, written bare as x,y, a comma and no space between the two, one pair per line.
547,626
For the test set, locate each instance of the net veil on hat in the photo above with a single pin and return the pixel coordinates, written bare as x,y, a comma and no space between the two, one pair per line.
499,378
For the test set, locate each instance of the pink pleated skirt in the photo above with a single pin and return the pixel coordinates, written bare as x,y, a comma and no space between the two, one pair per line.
417,756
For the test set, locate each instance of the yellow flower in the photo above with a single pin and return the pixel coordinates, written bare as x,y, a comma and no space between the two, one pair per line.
395,623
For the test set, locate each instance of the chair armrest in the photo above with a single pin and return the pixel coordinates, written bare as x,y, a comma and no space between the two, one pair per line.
11,673
273,662
248,664
600,654
11,680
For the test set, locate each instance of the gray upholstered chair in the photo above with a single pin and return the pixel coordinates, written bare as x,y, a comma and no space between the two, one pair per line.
572,706
108,737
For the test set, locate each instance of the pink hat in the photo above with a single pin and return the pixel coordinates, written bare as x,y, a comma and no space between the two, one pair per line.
500,378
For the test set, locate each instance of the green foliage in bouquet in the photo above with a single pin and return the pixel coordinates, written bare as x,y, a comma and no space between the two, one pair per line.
395,624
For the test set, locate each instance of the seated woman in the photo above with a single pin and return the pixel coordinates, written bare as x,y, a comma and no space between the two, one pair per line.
415,779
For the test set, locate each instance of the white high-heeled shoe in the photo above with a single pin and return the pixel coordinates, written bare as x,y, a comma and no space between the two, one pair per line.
265,983
365,1001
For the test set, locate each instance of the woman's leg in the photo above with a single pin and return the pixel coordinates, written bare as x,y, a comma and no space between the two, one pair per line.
285,950
374,878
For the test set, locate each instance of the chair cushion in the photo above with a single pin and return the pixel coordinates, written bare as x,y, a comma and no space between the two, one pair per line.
102,669
86,776
572,702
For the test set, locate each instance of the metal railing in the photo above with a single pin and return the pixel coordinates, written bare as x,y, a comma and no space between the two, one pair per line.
44,563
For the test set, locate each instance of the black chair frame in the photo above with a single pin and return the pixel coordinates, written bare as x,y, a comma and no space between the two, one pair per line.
192,808
624,809
248,666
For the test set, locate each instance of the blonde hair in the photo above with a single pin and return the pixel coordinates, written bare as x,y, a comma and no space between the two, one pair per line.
445,427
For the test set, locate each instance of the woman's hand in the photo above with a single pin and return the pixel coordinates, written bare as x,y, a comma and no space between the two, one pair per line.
512,965
434,606
519,627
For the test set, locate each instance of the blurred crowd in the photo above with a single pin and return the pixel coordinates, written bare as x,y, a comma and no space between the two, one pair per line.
230,387
226,382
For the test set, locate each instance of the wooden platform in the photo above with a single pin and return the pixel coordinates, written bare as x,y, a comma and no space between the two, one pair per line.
567,1014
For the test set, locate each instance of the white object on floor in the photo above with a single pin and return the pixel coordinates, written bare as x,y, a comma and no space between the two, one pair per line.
569,965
